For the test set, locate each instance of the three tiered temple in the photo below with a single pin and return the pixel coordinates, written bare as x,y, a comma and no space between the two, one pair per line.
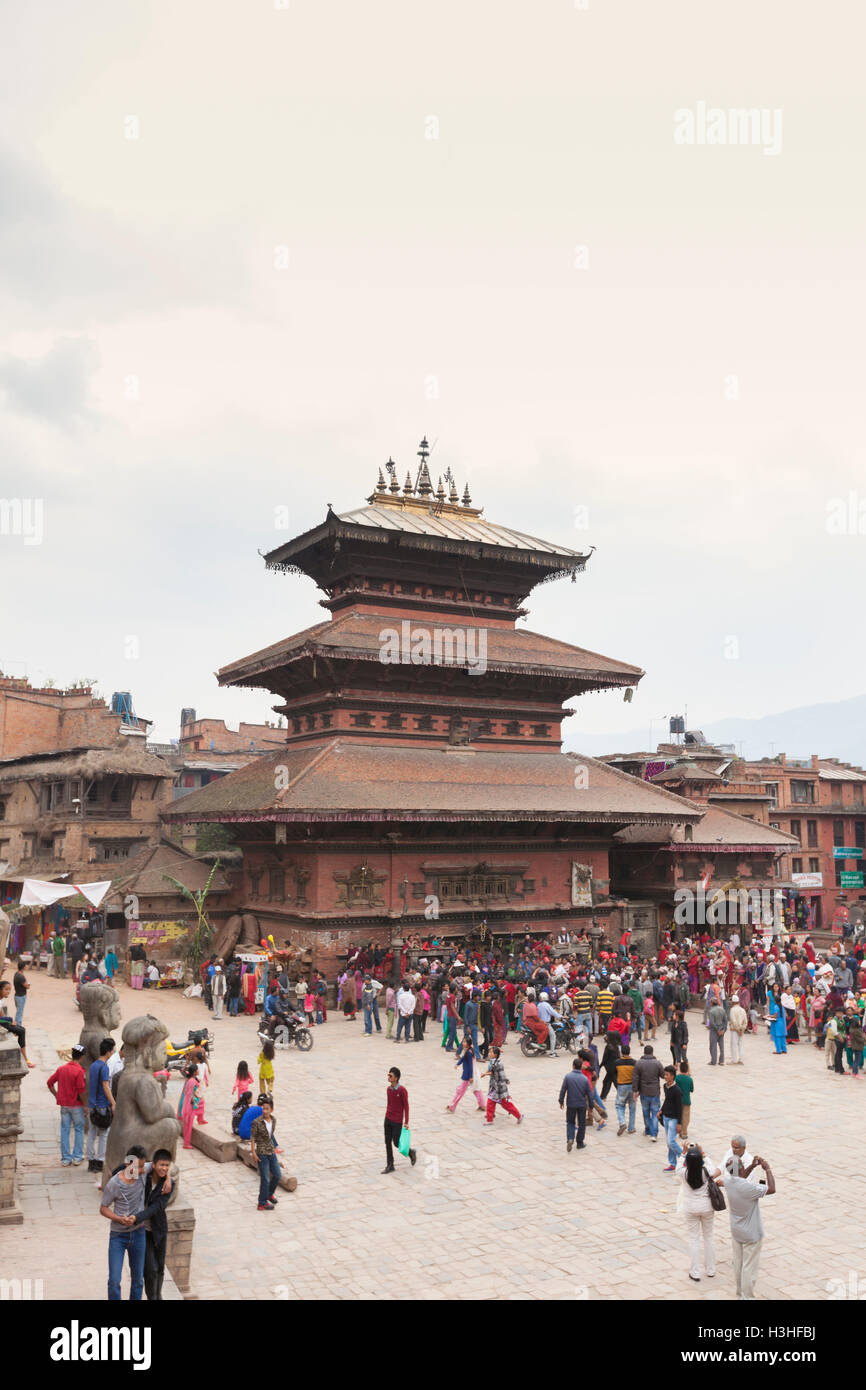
423,770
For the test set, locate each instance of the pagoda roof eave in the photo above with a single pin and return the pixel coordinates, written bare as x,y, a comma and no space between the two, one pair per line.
500,542
606,818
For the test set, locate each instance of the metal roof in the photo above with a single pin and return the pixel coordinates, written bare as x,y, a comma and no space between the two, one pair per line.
389,517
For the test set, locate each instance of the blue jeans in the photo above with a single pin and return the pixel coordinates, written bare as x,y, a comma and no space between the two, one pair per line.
650,1107
134,1243
625,1095
599,1102
584,1024
405,1022
472,1030
72,1117
371,1011
451,1033
674,1149
234,1001
575,1113
269,1176
20,1001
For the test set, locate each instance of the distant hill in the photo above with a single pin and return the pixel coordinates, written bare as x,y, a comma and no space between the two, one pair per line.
833,730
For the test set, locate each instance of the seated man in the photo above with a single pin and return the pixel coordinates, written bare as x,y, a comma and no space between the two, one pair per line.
276,1009
6,1022
549,1016
532,1020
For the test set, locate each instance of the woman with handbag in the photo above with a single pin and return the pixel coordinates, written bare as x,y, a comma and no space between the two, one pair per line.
698,1200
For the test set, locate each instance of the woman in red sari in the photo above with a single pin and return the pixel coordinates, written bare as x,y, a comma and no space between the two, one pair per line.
498,1022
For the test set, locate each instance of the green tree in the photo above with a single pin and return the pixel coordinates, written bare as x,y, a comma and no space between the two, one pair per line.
200,942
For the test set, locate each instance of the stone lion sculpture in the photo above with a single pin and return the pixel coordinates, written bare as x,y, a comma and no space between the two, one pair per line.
100,1005
143,1115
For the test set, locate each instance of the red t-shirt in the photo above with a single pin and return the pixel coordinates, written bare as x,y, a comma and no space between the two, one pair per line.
398,1104
71,1081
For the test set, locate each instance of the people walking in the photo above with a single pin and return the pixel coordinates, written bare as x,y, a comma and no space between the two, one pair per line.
406,1011
738,1023
101,1103
68,1085
390,1006
648,1074
497,1093
685,1081
266,1067
694,1202
747,1228
575,1094
218,989
672,1115
466,1063
625,1092
370,1005
263,1147
396,1119
778,1022
679,1031
717,1023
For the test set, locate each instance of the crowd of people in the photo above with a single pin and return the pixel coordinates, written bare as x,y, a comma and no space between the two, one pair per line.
622,1009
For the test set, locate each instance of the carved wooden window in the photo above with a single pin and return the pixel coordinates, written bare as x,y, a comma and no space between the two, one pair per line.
255,877
425,723
395,721
326,721
540,730
513,726
362,720
485,726
276,885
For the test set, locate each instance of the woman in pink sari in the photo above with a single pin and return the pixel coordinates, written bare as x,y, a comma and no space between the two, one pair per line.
190,1100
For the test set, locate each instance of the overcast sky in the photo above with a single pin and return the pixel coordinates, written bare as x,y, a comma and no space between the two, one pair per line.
248,251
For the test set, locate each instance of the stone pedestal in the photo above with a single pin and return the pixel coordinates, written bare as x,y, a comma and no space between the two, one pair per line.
178,1251
12,1068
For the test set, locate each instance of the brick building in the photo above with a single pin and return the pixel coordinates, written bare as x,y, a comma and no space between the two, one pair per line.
79,792
423,784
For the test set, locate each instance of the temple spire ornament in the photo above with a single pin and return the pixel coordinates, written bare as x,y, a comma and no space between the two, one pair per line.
423,485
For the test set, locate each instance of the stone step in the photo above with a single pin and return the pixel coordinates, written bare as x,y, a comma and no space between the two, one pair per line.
221,1147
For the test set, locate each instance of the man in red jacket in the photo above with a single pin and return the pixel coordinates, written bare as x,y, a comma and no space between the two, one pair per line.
396,1116
68,1085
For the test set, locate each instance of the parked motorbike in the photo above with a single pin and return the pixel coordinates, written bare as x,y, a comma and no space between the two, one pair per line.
178,1054
567,1037
289,1031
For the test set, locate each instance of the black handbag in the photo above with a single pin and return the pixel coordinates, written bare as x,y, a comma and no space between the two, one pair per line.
715,1193
100,1119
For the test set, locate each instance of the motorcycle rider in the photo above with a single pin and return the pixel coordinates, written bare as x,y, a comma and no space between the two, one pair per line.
275,1010
548,1015
531,1020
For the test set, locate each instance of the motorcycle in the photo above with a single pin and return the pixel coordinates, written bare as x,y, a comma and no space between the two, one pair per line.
285,1032
567,1037
178,1054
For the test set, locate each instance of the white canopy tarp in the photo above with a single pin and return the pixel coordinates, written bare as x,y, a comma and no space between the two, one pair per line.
36,892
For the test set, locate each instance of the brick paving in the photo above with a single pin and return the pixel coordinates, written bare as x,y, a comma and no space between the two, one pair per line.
499,1212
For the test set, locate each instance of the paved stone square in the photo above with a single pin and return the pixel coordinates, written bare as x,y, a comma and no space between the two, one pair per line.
488,1212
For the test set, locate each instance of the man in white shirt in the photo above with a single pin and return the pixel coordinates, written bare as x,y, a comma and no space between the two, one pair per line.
406,1010
747,1228
740,1153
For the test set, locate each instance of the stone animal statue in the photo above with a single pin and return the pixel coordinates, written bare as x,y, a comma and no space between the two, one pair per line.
100,1004
143,1115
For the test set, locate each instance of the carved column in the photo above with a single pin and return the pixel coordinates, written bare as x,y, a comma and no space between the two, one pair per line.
12,1068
